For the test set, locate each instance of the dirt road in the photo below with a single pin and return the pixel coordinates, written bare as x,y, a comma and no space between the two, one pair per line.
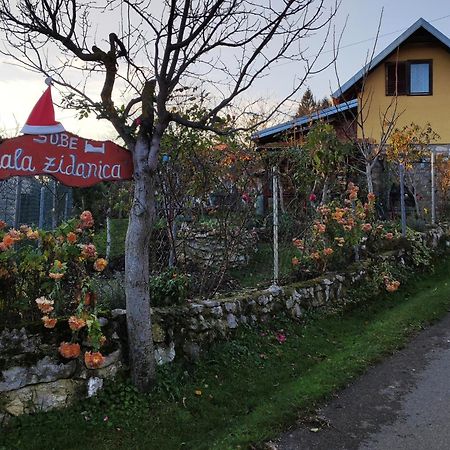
401,404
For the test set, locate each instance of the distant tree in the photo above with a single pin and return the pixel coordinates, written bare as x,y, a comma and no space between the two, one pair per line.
309,104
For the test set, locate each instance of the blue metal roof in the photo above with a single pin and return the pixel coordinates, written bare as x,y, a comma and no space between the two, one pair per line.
327,112
421,23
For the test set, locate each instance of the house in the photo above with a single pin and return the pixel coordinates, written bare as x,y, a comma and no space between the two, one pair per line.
407,82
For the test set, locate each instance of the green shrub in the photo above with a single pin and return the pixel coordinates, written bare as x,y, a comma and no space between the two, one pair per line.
169,288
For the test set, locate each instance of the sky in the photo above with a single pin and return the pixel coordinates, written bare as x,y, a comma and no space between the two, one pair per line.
20,89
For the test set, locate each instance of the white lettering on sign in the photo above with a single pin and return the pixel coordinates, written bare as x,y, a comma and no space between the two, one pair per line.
60,139
83,170
17,162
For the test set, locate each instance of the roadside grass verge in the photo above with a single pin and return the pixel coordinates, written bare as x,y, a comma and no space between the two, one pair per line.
246,390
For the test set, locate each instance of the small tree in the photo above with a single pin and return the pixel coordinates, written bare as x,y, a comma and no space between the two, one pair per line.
327,154
176,52
408,145
369,147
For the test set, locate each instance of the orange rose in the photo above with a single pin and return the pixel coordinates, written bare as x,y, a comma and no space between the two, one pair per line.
328,251
71,237
93,360
299,243
8,241
100,264
370,197
89,251
2,224
295,261
75,323
69,350
320,227
392,286
55,276
49,322
87,221
44,304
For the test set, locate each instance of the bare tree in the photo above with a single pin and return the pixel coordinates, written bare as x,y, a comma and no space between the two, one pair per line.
369,150
171,52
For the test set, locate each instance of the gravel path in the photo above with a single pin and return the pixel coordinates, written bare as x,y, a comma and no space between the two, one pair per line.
401,404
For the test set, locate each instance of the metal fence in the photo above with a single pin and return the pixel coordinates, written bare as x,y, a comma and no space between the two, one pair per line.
35,201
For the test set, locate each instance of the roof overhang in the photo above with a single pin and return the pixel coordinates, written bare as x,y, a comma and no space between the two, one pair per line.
305,120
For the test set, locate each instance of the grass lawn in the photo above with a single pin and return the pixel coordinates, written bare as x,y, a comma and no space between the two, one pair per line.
118,233
259,271
244,391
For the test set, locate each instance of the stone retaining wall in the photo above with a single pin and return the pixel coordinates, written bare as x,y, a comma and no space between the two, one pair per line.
34,377
210,249
187,331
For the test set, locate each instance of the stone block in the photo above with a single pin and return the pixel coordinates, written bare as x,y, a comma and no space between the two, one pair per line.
42,397
232,321
217,311
44,371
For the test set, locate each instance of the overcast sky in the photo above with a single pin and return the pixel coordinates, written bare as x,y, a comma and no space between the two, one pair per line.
19,89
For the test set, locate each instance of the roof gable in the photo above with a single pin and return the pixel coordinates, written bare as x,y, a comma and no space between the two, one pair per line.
421,23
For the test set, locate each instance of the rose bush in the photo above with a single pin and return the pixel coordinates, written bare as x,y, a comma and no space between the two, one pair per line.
339,229
51,274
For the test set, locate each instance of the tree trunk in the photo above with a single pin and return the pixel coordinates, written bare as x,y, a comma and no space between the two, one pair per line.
139,323
108,234
326,185
402,198
416,199
369,177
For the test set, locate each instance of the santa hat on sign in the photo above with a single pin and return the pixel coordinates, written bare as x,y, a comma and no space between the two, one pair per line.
42,117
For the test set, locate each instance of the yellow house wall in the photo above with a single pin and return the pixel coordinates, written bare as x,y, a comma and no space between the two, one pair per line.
422,109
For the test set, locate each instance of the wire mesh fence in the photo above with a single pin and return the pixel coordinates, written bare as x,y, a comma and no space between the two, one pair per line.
36,201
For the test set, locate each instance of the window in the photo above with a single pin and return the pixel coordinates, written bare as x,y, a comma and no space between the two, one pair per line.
409,78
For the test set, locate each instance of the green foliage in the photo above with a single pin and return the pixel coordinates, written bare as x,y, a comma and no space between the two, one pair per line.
169,288
418,253
118,233
326,151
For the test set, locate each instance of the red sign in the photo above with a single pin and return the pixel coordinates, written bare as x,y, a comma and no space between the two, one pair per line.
72,160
